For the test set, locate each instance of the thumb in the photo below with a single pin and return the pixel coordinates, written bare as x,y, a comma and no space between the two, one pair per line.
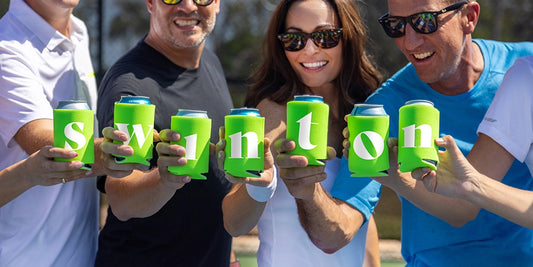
448,143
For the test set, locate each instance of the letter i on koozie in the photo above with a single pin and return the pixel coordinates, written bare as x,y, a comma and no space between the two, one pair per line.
74,129
134,115
244,135
194,127
369,129
307,125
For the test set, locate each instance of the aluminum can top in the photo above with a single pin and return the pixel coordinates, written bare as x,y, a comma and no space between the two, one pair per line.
309,98
419,102
132,99
245,111
73,104
192,113
368,110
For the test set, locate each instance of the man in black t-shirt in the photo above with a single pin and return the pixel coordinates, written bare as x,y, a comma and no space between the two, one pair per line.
152,220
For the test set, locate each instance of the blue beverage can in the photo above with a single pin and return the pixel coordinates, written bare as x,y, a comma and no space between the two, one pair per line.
74,129
134,115
245,111
133,99
73,104
244,134
307,126
418,129
369,129
194,127
192,113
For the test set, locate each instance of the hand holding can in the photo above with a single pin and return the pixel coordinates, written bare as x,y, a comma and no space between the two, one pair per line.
369,129
244,135
194,127
74,129
134,115
307,125
419,127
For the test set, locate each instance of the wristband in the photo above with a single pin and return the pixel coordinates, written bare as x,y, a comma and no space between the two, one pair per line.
261,193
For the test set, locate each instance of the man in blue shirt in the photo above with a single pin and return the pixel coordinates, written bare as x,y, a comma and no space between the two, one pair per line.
460,76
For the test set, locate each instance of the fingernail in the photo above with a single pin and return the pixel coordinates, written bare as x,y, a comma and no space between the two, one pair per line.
78,164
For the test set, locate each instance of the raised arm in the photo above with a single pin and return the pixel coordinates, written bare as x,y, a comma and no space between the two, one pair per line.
39,169
478,179
454,211
142,194
329,222
244,204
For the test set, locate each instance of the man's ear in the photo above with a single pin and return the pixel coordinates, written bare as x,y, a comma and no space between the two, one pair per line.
149,5
471,15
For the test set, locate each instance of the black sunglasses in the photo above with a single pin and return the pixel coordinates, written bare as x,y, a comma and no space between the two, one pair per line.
198,2
295,41
423,22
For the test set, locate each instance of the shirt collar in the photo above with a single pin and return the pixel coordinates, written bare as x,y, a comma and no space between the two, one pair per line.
44,31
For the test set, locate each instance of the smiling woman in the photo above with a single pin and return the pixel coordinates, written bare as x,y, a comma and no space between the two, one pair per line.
312,47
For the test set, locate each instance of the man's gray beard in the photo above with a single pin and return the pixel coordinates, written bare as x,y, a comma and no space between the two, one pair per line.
210,27
197,44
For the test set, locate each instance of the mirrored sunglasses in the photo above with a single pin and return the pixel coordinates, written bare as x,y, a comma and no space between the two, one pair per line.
423,22
198,2
295,41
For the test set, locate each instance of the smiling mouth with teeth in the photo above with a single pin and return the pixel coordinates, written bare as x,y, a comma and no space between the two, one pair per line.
313,65
423,55
186,22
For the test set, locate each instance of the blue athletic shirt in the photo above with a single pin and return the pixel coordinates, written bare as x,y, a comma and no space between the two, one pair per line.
489,240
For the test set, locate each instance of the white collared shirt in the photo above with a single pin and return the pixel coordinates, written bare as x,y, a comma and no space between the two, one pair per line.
55,225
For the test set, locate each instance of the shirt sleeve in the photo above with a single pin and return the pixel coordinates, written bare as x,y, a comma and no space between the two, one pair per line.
509,119
361,192
22,96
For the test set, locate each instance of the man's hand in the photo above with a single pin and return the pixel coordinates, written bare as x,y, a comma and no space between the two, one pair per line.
171,155
41,168
299,178
454,177
109,148
266,176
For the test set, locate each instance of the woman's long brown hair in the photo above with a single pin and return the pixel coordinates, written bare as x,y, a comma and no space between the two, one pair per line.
275,78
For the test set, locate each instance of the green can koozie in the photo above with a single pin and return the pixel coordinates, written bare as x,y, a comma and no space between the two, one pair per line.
194,128
74,129
418,129
134,115
307,125
244,135
369,129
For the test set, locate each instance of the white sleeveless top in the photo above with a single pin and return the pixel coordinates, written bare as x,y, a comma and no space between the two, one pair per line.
283,241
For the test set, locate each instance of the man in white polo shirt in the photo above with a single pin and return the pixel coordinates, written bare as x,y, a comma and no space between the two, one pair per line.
44,59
